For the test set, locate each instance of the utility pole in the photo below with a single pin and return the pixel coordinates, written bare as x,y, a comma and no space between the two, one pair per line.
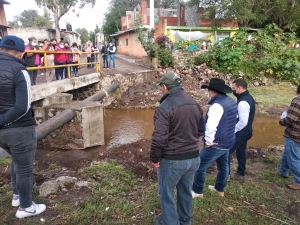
151,14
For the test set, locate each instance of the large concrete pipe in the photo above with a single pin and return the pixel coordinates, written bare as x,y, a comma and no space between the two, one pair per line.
65,116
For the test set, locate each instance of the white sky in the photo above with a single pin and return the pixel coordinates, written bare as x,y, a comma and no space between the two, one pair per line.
88,17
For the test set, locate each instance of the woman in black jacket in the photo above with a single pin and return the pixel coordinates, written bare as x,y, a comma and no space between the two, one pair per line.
104,54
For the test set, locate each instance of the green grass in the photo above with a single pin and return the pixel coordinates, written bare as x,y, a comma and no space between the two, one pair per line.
119,198
6,159
281,93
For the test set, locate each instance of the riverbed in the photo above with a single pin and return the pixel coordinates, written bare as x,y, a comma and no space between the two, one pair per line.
124,126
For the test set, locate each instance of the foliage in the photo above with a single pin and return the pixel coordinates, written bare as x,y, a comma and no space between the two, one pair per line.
255,13
84,34
158,48
92,34
27,18
60,8
43,21
164,57
267,54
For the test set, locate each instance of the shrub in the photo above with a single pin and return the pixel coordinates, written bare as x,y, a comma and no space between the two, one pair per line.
165,57
267,54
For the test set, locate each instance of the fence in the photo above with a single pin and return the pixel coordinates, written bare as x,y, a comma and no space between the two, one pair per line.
45,53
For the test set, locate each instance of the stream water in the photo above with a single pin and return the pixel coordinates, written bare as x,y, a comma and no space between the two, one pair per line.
125,126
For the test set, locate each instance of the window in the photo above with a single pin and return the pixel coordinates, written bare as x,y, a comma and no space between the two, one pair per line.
126,41
219,36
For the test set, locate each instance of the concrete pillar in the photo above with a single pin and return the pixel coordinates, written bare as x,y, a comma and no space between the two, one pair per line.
85,130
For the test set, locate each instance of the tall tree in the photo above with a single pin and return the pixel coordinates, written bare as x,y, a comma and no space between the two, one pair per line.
84,35
60,7
27,18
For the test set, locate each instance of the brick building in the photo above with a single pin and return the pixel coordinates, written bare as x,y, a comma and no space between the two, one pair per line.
3,23
126,38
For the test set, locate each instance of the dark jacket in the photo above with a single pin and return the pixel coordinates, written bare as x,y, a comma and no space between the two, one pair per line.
247,130
30,61
15,93
225,136
178,124
104,51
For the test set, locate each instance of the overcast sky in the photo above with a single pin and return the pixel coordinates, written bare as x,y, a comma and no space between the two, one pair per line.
88,17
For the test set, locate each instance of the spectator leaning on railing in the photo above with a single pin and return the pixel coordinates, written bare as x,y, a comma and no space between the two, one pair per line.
32,59
48,47
75,58
60,59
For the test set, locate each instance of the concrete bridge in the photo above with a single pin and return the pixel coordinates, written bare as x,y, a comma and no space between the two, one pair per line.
85,128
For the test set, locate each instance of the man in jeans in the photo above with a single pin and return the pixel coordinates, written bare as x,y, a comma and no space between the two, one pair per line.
17,124
243,128
111,55
219,137
174,151
291,154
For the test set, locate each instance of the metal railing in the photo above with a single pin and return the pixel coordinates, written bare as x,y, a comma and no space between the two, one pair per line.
68,65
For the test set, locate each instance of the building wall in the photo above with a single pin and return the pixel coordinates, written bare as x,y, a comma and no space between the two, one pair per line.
3,20
134,48
25,33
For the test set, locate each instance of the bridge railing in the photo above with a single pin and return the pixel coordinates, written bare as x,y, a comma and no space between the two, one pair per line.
67,65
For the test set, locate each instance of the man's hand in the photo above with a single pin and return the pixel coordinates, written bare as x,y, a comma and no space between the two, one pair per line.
156,165
213,144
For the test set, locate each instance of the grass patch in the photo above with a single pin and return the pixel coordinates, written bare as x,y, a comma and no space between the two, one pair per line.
6,159
120,198
281,93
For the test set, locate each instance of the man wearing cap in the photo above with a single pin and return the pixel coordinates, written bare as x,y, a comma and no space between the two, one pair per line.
32,59
243,128
290,160
17,124
174,151
219,137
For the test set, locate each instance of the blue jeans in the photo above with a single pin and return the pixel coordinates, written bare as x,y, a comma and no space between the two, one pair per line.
240,146
104,60
111,58
179,174
208,156
20,143
291,159
59,71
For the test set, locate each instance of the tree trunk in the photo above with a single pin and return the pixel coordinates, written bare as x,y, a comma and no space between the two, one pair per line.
57,28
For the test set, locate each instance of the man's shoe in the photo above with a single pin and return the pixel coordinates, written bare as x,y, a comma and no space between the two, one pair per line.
212,188
294,186
15,200
33,210
195,195
238,177
277,173
157,220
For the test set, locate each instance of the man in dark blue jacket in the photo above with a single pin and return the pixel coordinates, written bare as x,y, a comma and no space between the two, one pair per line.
243,128
17,124
174,151
219,137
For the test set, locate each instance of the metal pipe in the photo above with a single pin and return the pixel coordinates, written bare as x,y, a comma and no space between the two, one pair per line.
102,94
52,124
